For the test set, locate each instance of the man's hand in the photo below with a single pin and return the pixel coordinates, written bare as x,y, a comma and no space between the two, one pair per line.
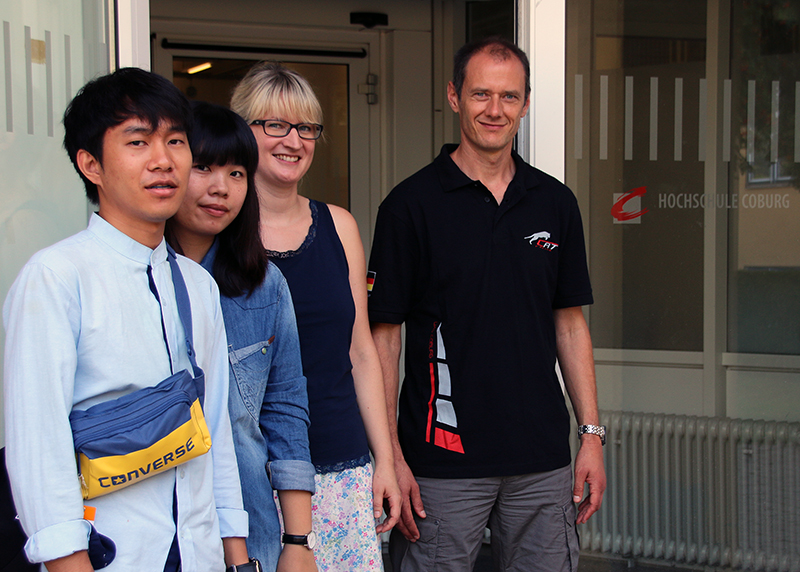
589,469
385,493
412,501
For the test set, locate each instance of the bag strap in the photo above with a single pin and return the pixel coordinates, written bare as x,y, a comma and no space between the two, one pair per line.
185,314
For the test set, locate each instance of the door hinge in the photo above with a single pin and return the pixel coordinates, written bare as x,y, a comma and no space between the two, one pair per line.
369,89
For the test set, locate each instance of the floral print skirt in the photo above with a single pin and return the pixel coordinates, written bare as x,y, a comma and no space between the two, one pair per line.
341,514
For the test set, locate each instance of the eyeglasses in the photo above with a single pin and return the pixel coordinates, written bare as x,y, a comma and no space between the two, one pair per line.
277,128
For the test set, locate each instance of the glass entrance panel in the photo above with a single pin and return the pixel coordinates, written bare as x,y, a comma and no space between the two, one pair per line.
635,83
50,49
764,167
683,146
328,179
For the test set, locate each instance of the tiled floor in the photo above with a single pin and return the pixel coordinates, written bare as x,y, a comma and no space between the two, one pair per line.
587,564
484,563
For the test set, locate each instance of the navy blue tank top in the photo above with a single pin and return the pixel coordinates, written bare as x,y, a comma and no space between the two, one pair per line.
317,274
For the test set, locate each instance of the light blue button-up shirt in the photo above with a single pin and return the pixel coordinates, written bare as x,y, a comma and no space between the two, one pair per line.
83,327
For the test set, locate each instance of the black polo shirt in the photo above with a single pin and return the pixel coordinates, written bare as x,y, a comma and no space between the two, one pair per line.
476,284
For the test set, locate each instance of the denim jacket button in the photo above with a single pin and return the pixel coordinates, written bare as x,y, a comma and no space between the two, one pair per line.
264,351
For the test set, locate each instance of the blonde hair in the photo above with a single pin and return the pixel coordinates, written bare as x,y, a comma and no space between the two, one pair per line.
273,91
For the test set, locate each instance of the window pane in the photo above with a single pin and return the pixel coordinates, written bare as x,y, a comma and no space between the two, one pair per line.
49,51
764,250
633,132
701,445
490,18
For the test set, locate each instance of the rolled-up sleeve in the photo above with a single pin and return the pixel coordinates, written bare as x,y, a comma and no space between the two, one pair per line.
42,321
291,475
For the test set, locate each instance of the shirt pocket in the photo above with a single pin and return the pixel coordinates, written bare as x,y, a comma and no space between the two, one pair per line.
250,368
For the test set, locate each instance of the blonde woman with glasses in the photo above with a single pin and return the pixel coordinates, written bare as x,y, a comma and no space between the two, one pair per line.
319,250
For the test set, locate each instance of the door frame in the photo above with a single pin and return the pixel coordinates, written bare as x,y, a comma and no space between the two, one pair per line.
132,33
541,33
365,145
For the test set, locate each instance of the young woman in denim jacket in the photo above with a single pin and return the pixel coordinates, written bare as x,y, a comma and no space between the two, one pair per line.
318,249
218,226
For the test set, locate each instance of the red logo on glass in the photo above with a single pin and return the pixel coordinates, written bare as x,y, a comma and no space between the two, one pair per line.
622,215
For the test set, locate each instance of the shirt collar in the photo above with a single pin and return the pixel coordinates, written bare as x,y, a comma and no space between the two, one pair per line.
125,245
452,178
208,259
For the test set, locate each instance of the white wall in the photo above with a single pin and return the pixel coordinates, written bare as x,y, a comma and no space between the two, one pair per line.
403,14
542,35
133,33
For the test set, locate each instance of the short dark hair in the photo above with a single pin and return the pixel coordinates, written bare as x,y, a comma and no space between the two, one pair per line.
112,99
220,137
498,47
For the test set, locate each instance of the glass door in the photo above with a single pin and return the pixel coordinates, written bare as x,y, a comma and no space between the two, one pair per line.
48,54
328,179
635,90
683,137
343,160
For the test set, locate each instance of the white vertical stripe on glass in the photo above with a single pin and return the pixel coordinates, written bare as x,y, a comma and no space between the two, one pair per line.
7,63
67,67
679,118
653,118
578,116
726,120
701,136
628,118
773,132
48,66
797,122
751,121
29,77
603,117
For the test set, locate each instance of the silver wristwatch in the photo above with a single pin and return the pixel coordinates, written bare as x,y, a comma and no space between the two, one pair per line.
599,430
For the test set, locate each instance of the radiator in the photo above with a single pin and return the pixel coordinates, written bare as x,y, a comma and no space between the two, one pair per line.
700,491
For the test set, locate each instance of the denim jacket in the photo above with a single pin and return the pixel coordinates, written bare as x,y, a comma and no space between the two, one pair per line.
268,405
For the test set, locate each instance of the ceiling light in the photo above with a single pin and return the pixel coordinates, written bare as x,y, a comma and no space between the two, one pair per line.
201,67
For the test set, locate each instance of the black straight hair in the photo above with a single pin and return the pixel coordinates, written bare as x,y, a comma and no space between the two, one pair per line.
112,99
498,47
220,137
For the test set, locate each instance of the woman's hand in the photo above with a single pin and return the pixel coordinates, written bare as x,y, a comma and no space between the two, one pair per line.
296,558
386,493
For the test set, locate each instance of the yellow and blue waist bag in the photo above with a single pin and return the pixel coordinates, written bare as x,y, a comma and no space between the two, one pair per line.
126,440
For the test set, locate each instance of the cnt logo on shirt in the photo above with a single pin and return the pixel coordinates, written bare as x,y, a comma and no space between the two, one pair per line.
541,239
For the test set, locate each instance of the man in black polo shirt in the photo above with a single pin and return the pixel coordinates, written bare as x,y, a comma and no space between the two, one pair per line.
482,257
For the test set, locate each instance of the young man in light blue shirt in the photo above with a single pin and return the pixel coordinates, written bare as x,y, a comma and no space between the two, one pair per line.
95,317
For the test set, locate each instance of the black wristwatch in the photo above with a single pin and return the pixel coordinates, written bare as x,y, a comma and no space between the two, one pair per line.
252,566
308,540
